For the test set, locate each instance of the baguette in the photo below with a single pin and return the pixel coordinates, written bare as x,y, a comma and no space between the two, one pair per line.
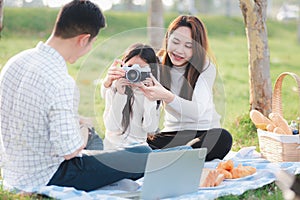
278,130
270,127
280,122
259,119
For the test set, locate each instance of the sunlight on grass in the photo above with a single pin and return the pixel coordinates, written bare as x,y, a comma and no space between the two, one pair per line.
227,41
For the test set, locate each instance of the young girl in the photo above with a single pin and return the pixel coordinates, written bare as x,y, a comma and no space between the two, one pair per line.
129,116
186,89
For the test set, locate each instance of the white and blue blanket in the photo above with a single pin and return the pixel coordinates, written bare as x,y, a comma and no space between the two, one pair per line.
247,156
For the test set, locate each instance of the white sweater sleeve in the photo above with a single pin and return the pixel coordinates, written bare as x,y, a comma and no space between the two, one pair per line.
103,90
202,97
114,104
151,116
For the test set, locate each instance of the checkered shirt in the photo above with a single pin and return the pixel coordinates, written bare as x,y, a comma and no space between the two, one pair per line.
39,116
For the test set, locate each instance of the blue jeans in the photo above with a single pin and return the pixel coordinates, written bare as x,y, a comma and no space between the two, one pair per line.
94,141
96,169
173,148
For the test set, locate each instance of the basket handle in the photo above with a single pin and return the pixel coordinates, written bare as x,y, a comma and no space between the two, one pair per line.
276,97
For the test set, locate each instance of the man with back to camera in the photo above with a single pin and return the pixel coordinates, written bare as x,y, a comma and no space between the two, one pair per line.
41,141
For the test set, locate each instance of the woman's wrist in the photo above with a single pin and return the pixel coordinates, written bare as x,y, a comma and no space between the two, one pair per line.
107,83
169,97
84,126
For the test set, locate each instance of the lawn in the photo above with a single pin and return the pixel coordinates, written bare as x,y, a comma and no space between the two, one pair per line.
227,40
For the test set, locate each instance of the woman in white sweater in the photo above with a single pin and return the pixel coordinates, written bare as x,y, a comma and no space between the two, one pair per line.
129,116
186,88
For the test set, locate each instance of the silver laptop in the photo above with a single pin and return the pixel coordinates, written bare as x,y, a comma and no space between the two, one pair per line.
170,174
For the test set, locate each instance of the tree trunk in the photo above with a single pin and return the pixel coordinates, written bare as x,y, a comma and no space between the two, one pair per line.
299,31
156,24
1,14
254,13
299,27
228,8
128,4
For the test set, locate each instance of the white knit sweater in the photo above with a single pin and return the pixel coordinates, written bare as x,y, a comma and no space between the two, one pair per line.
144,119
198,114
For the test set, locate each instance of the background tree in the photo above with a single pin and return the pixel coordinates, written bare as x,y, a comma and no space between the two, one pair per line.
156,23
254,13
1,14
299,26
228,8
128,4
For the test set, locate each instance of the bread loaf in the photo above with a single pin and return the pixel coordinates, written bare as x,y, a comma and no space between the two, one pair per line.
280,122
270,127
275,123
278,130
259,119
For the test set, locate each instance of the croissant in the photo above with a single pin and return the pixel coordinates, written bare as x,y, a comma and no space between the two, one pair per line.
211,178
242,171
227,165
226,173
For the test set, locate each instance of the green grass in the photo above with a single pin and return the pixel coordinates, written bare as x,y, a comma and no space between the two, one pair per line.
25,27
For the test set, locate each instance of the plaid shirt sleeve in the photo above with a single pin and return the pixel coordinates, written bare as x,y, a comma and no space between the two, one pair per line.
64,124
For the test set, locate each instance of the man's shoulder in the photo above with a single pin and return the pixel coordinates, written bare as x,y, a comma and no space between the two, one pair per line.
20,56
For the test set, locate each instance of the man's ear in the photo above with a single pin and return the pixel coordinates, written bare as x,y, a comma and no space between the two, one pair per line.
83,39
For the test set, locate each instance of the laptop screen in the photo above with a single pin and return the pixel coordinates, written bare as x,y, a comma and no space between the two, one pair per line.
173,173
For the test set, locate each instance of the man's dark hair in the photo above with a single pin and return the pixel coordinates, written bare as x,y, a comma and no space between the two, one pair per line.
79,17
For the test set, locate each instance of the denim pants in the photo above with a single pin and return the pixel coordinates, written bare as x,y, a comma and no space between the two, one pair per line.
97,168
94,141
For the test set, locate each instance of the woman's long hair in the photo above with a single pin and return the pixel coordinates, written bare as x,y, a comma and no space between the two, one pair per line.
146,53
196,64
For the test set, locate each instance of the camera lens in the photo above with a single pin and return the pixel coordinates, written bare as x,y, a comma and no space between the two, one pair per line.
133,75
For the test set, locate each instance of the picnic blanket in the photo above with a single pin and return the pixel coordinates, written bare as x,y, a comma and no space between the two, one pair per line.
266,174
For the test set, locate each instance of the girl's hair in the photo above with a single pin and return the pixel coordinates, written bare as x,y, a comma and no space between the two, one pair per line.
146,53
196,64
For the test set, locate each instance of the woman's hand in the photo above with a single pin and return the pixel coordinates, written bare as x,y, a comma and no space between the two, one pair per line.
121,84
157,91
114,73
148,82
86,121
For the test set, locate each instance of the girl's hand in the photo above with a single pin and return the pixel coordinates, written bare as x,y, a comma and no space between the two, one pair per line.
157,91
121,84
114,73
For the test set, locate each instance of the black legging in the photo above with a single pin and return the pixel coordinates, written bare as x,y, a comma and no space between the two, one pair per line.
217,141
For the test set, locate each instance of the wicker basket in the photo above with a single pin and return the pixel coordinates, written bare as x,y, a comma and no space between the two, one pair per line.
275,147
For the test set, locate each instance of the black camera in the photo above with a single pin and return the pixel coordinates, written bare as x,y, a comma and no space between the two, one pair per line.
136,74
